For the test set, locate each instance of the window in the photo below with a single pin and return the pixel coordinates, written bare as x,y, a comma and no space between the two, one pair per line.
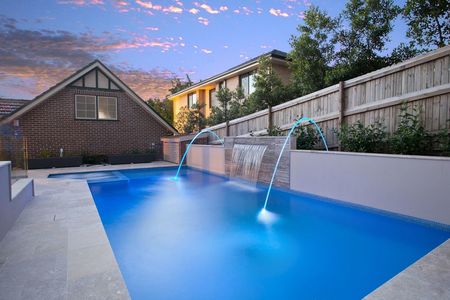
222,84
192,99
85,107
107,108
246,82
213,102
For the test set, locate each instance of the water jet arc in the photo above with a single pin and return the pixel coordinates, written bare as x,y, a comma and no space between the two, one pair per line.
297,123
206,130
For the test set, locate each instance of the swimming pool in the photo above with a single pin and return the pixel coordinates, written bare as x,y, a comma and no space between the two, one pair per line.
198,238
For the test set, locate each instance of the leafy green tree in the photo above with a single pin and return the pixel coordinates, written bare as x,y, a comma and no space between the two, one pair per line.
190,120
428,22
163,107
403,52
312,51
269,89
367,25
229,106
178,85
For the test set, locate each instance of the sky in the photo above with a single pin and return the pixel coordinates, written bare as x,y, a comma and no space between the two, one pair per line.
146,43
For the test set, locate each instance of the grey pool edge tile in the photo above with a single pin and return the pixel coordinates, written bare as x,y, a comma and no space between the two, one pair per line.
70,260
427,278
92,269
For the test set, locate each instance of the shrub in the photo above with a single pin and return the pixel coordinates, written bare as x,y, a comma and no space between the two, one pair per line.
410,136
94,159
360,138
307,137
46,154
275,131
443,141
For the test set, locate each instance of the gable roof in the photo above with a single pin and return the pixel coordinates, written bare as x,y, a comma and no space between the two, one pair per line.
78,74
272,54
8,106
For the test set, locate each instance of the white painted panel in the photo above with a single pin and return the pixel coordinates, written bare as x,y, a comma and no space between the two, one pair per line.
79,82
113,86
102,81
207,157
89,79
410,185
12,199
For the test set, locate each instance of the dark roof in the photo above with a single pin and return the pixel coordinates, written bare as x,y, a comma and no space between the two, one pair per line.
8,106
273,54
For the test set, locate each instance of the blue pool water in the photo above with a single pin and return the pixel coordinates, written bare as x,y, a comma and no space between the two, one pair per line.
198,238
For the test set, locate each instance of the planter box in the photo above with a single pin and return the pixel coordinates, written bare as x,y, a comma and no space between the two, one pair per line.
55,162
131,158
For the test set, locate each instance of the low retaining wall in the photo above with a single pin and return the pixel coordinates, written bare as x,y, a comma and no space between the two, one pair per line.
174,146
410,185
207,157
12,198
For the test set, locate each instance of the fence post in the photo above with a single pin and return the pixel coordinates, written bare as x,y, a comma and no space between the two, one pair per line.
227,128
270,120
341,106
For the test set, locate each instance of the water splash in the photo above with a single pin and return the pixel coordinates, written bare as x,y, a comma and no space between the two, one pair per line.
206,130
297,123
247,160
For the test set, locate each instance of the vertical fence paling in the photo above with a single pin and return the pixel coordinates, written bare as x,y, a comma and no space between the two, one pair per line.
375,97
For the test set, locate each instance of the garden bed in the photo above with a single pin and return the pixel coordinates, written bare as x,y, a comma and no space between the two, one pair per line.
55,162
131,158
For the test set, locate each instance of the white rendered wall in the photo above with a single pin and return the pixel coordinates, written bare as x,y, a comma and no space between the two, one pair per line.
207,157
12,199
410,185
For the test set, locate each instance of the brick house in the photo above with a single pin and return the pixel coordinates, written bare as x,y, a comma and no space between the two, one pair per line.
90,112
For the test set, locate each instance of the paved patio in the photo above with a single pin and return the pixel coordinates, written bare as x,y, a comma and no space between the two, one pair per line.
58,248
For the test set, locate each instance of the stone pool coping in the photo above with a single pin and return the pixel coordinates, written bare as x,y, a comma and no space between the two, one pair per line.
58,247
427,278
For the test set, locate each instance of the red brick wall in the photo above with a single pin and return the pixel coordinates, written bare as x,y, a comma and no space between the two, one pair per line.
52,125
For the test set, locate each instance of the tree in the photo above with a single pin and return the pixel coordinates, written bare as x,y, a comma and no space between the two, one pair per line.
312,51
403,52
163,107
368,25
229,106
178,85
269,89
190,120
428,22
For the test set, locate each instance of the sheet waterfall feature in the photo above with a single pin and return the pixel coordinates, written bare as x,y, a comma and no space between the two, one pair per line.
206,130
247,160
264,215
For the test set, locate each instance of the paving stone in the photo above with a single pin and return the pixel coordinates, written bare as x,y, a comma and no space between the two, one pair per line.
428,278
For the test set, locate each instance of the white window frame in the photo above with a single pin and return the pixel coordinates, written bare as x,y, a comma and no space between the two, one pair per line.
76,110
98,105
250,83
194,97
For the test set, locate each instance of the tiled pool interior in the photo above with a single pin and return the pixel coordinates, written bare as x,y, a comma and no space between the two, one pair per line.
199,238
